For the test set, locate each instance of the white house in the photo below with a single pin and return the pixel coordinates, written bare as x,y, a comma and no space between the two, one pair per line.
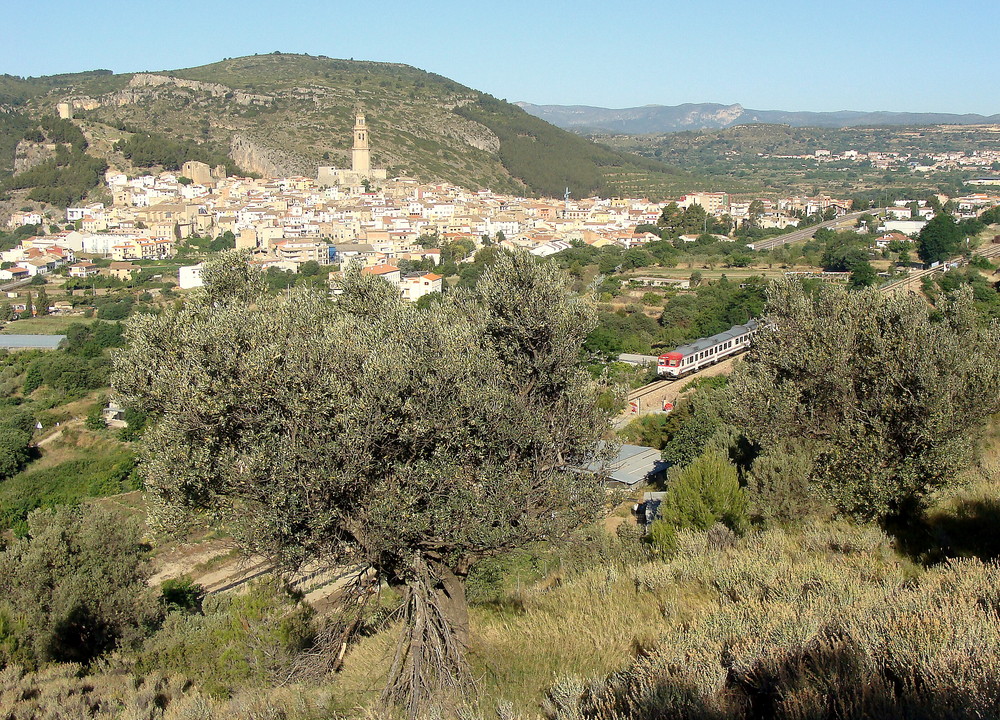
189,276
415,285
389,273
83,269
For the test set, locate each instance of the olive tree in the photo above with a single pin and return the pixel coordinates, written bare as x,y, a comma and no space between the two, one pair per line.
367,432
885,396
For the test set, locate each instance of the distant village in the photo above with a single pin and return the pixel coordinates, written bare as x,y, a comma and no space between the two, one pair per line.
985,160
360,217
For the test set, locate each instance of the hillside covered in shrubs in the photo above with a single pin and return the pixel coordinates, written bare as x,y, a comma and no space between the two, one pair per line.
822,547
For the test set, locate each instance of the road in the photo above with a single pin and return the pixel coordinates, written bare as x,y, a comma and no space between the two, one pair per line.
807,232
14,285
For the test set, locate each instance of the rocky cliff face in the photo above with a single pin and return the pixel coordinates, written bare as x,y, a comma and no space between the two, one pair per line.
266,161
150,80
145,87
28,154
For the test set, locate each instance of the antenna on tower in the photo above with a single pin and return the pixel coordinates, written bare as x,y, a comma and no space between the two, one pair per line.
566,195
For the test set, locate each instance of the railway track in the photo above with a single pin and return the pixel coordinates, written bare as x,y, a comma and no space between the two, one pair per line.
640,397
645,391
906,282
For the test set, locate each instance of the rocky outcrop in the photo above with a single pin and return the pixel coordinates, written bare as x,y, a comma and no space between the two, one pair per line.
28,154
146,86
150,80
258,158
474,134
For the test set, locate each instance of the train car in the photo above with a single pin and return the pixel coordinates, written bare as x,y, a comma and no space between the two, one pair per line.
706,351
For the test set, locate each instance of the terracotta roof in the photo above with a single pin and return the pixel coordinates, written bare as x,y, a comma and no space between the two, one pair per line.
380,270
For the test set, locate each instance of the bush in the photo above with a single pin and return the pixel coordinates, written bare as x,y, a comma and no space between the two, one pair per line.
90,340
702,424
182,595
33,379
76,588
247,639
61,371
95,418
663,538
13,450
135,423
115,309
778,483
703,493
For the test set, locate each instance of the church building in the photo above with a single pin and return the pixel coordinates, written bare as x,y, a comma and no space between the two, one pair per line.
361,168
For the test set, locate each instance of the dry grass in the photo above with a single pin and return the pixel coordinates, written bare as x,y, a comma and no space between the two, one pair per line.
826,614
75,443
695,636
63,692
629,641
793,623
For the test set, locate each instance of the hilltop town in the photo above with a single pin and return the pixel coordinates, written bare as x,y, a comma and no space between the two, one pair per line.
336,389
359,216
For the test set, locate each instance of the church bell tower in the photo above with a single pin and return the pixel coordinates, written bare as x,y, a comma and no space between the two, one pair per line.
360,156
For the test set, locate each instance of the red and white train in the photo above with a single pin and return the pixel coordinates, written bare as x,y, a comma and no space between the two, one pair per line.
706,351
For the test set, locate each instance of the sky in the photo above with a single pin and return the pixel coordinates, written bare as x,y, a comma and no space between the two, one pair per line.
898,55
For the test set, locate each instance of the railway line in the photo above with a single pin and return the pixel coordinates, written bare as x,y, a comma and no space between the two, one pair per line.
907,283
806,232
650,397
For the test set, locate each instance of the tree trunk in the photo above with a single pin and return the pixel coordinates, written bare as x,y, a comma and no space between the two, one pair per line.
429,667
450,596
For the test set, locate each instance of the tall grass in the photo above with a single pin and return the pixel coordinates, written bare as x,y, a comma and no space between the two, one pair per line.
65,692
822,622
827,625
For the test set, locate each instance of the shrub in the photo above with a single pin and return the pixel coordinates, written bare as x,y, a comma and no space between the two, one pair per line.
13,450
135,423
76,588
182,594
703,493
663,538
33,379
778,484
95,418
703,421
251,638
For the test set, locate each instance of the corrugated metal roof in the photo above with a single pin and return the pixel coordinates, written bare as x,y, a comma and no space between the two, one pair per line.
633,465
41,342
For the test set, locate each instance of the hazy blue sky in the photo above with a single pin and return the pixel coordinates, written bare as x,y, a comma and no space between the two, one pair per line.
912,55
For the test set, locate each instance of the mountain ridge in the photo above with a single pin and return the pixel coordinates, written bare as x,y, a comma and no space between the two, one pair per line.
715,116
288,114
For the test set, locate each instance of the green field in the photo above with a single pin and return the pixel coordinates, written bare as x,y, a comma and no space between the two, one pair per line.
45,325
